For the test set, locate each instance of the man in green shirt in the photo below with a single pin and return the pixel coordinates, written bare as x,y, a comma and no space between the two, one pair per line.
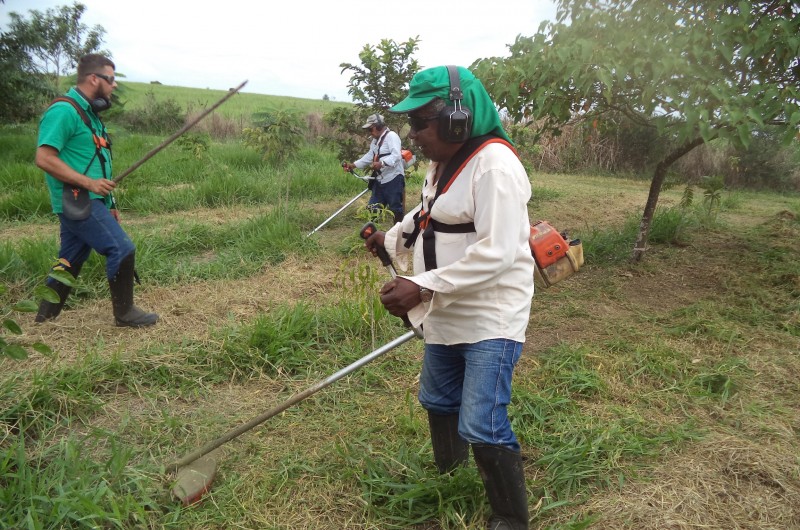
74,151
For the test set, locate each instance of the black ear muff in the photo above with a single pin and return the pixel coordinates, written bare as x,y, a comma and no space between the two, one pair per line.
455,123
98,104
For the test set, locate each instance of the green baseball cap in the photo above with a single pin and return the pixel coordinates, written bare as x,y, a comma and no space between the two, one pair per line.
435,82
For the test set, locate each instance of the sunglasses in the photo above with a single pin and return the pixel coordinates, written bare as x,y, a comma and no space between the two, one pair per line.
109,78
419,123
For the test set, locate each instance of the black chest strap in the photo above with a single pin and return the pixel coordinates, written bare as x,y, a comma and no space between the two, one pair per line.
423,221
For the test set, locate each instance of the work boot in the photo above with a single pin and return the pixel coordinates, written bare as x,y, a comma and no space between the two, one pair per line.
49,310
504,479
449,449
121,286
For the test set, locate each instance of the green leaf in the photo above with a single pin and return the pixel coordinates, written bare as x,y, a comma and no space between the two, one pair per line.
15,351
26,306
42,348
64,277
46,293
12,326
755,116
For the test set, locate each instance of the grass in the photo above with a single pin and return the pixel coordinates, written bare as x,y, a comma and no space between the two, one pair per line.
656,395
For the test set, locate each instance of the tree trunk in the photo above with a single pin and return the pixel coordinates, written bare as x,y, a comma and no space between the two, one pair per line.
659,176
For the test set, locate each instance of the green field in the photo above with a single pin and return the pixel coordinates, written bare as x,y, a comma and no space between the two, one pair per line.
243,104
650,396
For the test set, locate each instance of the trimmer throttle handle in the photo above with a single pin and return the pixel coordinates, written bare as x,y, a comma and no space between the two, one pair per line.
366,231
383,255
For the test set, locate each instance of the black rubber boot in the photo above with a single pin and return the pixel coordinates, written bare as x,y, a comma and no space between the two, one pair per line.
49,310
504,479
125,313
449,449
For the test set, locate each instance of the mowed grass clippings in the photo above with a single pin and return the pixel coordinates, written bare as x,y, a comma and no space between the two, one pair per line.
656,395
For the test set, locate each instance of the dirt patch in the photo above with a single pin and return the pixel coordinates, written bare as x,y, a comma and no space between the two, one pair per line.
190,311
724,481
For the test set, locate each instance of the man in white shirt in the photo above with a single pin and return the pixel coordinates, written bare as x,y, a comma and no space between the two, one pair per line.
386,161
473,279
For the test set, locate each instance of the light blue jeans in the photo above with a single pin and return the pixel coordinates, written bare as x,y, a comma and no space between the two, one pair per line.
474,381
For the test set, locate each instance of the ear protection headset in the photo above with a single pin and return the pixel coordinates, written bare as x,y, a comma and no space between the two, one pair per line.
455,123
98,104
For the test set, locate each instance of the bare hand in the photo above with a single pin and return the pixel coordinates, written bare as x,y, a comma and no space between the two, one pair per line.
101,186
374,241
115,214
399,296
377,165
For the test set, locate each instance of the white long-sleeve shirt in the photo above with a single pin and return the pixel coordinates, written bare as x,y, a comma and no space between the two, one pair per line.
388,152
483,283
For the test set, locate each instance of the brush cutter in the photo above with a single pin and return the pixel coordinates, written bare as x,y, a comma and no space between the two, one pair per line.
366,231
351,201
196,470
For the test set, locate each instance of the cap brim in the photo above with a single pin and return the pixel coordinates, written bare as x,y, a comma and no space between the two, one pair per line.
409,104
367,126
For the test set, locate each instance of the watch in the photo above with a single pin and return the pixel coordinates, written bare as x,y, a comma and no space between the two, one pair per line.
425,294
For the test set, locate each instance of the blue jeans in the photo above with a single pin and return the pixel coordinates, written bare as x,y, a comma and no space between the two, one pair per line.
474,381
101,232
390,195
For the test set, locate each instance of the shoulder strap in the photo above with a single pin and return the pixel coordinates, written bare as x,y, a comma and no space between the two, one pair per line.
81,112
100,140
424,223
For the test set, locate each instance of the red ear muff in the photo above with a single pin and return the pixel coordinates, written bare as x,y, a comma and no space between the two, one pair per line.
455,122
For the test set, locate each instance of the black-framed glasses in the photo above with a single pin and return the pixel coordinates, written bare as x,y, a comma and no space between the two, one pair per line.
109,78
419,123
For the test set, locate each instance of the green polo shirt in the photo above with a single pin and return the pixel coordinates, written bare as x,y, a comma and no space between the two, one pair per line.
62,128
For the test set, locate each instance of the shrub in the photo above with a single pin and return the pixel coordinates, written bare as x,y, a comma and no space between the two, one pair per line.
278,134
156,117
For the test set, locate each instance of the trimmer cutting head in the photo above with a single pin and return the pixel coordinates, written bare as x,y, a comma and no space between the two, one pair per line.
194,479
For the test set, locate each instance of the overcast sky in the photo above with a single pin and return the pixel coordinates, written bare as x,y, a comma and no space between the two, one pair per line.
291,48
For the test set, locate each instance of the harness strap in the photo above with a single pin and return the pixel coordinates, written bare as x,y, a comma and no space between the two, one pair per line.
100,141
424,223
376,174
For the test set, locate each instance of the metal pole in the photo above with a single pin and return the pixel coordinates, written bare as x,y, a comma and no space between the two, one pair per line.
194,455
340,210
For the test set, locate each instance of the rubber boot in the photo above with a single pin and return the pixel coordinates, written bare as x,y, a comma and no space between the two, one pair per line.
504,479
121,285
449,449
49,310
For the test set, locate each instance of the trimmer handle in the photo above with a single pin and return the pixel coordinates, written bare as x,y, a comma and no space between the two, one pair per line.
366,231
383,254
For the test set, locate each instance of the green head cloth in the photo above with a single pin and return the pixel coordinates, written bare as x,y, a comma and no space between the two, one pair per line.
435,82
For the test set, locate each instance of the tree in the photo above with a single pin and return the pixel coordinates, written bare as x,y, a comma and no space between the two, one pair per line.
382,79
691,70
56,39
377,84
22,87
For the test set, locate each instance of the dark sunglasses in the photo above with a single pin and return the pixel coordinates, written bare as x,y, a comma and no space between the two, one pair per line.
109,78
419,123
